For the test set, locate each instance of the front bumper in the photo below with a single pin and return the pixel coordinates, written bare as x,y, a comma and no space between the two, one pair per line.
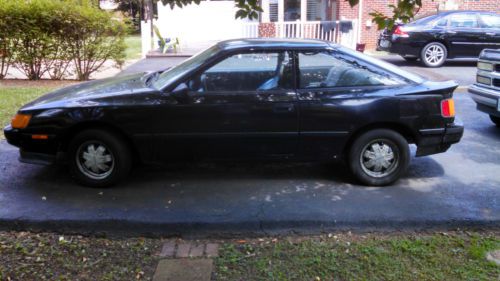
487,99
32,151
432,141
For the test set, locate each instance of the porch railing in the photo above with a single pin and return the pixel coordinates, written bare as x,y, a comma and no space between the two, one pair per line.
308,30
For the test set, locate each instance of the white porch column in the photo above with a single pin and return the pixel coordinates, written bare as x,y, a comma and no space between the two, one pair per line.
281,10
303,17
265,15
303,11
145,37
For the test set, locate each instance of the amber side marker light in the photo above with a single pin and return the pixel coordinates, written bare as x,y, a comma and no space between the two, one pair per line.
40,137
20,121
448,108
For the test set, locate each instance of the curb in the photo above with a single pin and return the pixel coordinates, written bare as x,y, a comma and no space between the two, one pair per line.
128,228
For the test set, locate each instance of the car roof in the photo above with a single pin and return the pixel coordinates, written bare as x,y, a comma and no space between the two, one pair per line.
273,43
462,11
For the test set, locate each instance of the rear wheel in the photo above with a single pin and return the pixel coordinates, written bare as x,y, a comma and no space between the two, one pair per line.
379,157
433,54
495,120
98,158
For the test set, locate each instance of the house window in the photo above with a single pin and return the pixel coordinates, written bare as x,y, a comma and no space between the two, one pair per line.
273,10
292,10
317,10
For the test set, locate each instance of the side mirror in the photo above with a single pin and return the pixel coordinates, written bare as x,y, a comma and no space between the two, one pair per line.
180,92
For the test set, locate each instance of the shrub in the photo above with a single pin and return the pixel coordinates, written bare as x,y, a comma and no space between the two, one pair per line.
47,36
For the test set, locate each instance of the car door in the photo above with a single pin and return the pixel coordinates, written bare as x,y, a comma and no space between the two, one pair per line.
333,89
243,106
490,24
463,35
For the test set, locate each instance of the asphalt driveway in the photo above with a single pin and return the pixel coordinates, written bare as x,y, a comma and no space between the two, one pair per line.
454,189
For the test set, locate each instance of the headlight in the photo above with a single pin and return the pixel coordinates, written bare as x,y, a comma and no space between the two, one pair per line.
483,80
485,66
20,121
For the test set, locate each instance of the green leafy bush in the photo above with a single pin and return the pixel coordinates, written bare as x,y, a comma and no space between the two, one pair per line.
50,37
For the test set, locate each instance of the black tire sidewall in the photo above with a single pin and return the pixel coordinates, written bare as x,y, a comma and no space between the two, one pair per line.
495,120
119,149
422,54
401,148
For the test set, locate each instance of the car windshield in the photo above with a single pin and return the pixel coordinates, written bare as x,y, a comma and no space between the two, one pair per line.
181,69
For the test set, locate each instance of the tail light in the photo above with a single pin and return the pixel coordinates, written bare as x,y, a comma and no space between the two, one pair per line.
400,32
20,121
448,108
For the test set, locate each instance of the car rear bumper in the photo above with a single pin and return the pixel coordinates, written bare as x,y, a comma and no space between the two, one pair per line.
487,100
400,46
32,151
432,141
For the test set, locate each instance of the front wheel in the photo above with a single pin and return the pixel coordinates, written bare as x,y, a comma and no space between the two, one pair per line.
433,54
495,120
379,157
98,158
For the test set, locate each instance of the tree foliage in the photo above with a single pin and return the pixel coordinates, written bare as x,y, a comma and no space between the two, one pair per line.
403,11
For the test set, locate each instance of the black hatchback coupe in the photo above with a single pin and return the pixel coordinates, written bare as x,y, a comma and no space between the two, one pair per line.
244,99
450,34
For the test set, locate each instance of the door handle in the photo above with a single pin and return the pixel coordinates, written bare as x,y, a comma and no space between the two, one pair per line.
284,108
491,33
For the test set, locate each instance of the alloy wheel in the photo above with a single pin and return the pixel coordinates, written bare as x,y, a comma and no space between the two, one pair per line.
434,55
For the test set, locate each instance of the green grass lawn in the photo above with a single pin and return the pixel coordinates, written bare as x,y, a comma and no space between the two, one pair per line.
12,98
133,50
374,257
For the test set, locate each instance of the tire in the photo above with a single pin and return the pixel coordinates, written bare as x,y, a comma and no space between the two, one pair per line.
410,59
433,54
495,120
366,144
109,160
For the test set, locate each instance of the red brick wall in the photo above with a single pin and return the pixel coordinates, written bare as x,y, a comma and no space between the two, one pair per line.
369,34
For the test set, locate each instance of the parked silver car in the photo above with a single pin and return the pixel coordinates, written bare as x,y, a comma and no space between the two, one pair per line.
486,91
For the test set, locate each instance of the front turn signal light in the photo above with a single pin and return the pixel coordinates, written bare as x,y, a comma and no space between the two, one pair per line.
448,108
20,121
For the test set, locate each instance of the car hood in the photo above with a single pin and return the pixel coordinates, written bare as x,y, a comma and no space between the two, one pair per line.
92,93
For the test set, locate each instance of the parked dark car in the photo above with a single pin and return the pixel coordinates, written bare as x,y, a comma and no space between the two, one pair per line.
486,91
437,37
244,99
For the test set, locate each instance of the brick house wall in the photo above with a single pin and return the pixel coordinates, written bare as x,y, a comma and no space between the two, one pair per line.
369,33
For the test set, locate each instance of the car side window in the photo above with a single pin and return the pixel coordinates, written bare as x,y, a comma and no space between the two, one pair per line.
325,70
258,71
442,22
468,20
490,21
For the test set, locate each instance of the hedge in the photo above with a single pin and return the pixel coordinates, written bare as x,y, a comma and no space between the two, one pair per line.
51,37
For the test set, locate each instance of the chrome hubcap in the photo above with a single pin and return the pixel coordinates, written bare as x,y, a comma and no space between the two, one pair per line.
378,159
95,160
434,54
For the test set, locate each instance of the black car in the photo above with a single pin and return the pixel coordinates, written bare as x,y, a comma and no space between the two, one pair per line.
244,99
486,91
434,38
